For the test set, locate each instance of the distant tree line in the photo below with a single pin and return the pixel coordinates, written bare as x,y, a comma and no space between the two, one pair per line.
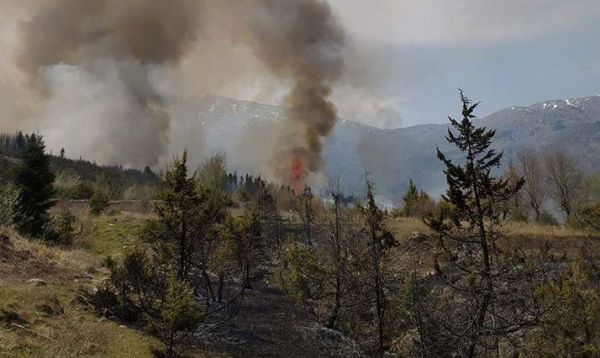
555,181
556,190
79,178
14,145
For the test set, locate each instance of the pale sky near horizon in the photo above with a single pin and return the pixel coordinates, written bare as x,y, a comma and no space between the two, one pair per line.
502,53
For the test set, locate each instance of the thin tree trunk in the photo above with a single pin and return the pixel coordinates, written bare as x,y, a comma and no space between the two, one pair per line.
308,222
248,279
379,304
486,274
209,288
182,274
333,318
221,286
538,213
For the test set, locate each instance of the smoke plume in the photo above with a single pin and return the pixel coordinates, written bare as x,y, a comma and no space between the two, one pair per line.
300,41
111,72
101,64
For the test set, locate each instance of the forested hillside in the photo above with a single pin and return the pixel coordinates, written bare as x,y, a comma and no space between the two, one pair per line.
79,178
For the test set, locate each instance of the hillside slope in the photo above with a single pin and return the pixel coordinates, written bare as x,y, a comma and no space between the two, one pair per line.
45,308
42,309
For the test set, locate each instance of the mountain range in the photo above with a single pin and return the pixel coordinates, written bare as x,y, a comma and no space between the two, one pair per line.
393,156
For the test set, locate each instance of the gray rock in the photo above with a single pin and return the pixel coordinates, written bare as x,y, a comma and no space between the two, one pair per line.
36,282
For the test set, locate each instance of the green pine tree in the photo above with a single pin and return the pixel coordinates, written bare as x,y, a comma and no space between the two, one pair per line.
35,182
99,201
380,239
468,233
179,318
411,197
246,244
188,216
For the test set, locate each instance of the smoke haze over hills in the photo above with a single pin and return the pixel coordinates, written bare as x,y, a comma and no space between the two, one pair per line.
104,78
109,70
393,156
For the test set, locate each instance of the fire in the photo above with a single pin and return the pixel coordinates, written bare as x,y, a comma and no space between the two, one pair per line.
297,175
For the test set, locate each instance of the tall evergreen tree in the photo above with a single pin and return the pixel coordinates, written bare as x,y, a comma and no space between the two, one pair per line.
180,229
20,143
469,234
379,240
35,182
410,199
187,227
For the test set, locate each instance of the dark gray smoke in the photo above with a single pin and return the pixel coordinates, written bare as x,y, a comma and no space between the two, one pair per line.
104,62
300,41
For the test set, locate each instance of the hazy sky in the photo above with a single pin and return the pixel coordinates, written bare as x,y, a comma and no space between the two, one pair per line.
408,57
501,52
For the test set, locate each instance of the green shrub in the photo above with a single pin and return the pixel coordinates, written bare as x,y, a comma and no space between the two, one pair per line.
443,210
109,262
67,184
84,191
301,274
569,323
519,216
145,296
99,202
416,203
9,197
179,318
63,227
585,217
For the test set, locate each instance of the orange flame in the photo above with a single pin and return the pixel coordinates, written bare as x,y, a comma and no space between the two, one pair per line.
297,175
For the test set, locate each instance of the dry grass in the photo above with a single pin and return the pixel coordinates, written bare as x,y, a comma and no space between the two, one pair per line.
550,231
406,227
48,320
417,250
51,320
65,329
562,242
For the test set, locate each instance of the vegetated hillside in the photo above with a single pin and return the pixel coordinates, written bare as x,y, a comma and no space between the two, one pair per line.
7,165
44,307
43,311
91,172
88,172
393,156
